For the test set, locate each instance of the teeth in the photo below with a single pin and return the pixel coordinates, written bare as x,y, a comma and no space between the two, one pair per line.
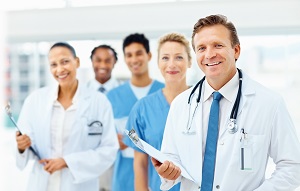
102,71
212,64
62,76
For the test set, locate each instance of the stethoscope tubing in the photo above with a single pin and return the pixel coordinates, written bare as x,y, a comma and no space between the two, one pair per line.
234,111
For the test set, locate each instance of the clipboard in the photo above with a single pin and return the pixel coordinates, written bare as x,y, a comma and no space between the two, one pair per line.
8,112
153,152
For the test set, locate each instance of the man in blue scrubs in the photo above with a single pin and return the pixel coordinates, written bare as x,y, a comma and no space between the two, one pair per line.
137,56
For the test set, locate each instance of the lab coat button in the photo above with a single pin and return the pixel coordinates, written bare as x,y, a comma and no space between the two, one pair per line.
218,187
221,143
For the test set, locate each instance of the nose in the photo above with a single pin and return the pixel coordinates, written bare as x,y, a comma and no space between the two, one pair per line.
210,53
134,59
172,63
102,64
60,68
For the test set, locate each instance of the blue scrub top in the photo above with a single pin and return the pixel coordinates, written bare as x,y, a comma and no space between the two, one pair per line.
122,100
148,118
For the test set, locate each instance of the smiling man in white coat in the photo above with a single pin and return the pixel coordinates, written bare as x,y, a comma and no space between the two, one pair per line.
224,129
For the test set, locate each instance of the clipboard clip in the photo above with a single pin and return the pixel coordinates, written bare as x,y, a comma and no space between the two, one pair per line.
134,138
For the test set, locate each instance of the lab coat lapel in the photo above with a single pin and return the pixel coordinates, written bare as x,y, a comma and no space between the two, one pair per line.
44,132
196,140
199,125
247,90
83,104
82,116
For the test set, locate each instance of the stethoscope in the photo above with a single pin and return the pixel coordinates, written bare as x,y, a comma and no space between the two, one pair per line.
232,123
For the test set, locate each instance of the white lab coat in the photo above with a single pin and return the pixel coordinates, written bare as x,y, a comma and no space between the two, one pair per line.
263,115
87,156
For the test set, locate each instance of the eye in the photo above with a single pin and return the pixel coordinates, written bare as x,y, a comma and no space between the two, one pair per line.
165,58
128,55
219,45
201,49
179,58
139,53
53,65
65,62
108,61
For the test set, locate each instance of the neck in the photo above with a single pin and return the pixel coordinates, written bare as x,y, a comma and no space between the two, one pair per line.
67,92
219,82
141,80
171,90
102,81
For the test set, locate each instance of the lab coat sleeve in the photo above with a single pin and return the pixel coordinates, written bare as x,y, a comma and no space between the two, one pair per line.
169,147
285,151
25,125
92,163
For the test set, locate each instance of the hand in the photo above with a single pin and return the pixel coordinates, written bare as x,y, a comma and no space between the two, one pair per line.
23,142
122,145
52,165
167,169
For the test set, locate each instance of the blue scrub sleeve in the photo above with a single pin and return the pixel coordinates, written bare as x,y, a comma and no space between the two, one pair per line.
134,122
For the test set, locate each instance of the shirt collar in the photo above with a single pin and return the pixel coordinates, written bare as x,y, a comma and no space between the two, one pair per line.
54,96
107,85
228,91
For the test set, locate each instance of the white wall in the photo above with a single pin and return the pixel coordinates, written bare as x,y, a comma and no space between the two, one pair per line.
115,22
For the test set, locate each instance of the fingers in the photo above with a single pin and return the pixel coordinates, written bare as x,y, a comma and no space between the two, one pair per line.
121,143
168,170
52,165
23,142
43,161
155,163
49,165
176,173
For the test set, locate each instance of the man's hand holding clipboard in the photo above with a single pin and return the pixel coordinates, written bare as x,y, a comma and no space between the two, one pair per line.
161,162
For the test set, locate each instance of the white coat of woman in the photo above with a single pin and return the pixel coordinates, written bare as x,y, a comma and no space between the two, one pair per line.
70,128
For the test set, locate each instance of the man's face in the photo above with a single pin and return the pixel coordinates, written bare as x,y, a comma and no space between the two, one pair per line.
137,58
103,63
215,54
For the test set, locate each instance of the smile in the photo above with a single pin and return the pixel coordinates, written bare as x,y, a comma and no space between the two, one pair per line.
213,64
62,76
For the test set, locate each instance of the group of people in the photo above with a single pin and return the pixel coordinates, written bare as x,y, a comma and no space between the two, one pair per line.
221,131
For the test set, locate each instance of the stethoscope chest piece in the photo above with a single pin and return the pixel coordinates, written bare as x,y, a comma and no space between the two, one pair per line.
232,126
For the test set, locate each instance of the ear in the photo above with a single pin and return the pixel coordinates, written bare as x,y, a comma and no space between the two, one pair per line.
237,51
149,56
77,62
114,64
190,64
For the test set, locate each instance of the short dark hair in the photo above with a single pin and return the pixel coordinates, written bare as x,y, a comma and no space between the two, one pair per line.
65,45
138,38
106,47
216,20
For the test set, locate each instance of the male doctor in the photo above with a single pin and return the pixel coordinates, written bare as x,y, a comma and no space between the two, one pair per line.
218,156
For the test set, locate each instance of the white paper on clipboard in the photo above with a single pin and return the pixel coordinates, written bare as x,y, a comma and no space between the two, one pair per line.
153,152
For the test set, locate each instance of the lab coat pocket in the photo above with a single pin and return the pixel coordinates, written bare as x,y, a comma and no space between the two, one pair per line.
251,153
94,131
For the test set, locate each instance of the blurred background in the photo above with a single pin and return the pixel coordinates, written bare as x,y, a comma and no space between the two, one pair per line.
269,32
